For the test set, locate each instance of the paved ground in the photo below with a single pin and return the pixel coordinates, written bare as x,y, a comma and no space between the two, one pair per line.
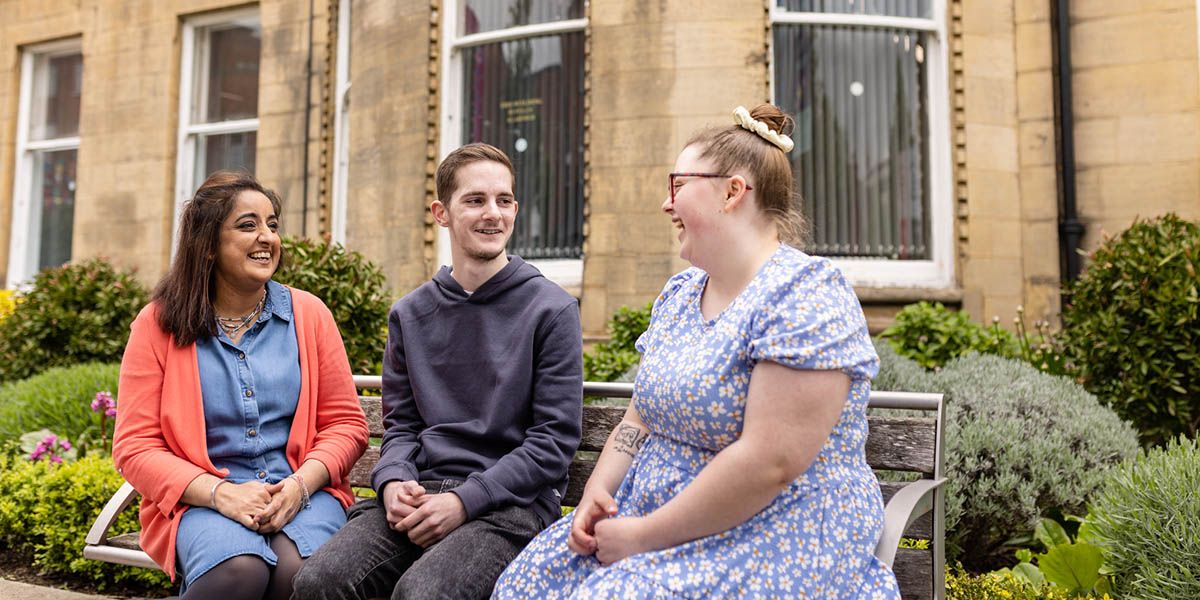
15,590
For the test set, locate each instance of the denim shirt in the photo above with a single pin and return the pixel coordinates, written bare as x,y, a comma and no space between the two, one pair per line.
250,392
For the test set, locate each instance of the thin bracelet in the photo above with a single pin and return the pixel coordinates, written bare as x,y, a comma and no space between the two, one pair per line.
304,500
212,494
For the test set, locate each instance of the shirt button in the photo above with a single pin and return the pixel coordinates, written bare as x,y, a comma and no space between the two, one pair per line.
241,355
249,393
261,474
252,433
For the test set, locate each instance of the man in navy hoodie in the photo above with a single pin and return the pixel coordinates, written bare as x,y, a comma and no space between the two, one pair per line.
482,400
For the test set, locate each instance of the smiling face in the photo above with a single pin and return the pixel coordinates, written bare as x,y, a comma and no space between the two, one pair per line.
480,212
248,246
697,202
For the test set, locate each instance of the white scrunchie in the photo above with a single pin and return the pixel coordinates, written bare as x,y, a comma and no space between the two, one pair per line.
742,117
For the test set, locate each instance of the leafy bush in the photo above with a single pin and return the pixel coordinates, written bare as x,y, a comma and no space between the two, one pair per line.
73,314
609,361
933,335
961,585
47,509
58,400
1019,443
353,288
1132,326
1146,519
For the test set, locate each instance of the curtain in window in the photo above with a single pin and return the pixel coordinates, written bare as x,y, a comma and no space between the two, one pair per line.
861,155
54,191
919,9
526,98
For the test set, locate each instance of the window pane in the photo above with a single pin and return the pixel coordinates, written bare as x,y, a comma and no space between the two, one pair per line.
233,151
891,8
526,98
228,86
58,84
53,206
489,15
861,157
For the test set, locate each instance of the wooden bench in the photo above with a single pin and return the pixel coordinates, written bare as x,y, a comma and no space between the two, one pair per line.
910,444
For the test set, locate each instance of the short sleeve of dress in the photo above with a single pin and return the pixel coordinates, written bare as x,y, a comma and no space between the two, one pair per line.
674,284
810,318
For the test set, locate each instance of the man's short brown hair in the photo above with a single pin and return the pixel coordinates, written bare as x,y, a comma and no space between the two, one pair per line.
447,172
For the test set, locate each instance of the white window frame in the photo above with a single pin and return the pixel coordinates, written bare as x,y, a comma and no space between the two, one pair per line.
26,222
567,273
341,127
938,271
189,133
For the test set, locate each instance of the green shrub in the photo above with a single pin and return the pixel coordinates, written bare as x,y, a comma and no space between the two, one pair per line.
353,288
1132,326
609,361
933,335
1146,519
961,585
1019,443
46,510
73,314
59,400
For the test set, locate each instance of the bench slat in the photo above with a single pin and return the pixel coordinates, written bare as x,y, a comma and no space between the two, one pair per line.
914,573
893,443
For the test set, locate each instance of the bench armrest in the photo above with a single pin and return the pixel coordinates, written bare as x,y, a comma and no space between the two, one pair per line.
98,534
912,501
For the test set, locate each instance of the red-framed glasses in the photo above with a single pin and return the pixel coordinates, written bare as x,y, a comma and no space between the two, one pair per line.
673,176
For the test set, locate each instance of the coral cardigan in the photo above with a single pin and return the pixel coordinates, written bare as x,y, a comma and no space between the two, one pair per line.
160,446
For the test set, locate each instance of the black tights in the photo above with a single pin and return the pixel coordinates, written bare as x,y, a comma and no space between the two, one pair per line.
250,577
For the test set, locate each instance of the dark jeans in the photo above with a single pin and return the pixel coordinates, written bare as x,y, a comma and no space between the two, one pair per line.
367,559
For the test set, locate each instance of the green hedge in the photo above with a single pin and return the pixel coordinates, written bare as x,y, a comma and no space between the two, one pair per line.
1019,444
1147,521
73,314
353,288
611,360
59,400
1132,326
46,510
933,335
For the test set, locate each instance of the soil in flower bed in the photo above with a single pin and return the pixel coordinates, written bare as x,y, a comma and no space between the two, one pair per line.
18,567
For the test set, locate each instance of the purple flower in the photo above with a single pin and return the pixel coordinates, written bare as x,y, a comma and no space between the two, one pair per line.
64,444
103,402
56,459
111,412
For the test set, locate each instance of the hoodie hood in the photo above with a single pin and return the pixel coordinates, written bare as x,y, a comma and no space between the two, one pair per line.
513,274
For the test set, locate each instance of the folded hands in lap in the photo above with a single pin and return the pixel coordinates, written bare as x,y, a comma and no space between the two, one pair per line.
426,518
259,507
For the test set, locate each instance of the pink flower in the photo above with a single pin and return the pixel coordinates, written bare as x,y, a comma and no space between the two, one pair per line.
103,402
111,412
64,444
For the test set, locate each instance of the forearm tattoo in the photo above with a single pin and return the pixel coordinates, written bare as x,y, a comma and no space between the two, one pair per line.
628,439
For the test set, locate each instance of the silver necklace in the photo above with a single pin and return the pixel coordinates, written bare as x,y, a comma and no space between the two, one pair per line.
232,325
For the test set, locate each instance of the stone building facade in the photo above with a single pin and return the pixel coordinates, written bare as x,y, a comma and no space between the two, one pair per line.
358,99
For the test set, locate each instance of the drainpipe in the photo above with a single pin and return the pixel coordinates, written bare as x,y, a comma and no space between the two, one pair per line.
1070,229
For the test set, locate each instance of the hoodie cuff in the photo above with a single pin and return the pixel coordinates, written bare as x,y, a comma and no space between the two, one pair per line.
475,497
391,472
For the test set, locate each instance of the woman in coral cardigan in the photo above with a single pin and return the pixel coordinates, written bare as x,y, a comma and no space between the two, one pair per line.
239,419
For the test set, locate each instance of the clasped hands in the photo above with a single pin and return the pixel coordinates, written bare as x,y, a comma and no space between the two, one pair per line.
426,518
260,507
596,529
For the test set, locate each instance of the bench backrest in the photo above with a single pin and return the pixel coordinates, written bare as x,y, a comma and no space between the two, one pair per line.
905,444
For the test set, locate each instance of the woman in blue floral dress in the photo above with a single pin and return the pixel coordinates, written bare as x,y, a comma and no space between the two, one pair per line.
738,470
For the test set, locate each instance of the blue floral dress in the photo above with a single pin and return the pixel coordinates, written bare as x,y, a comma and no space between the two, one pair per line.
817,538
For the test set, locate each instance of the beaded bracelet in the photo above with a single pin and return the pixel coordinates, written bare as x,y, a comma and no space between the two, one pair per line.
212,494
304,497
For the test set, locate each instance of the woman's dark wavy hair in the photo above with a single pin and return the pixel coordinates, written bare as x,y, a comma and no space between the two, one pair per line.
185,294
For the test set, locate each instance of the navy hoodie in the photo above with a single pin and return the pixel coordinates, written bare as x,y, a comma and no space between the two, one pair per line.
484,387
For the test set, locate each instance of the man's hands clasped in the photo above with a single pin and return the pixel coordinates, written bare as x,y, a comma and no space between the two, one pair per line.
426,518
